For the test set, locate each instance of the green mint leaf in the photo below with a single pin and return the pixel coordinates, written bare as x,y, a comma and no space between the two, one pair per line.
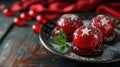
54,40
64,49
61,40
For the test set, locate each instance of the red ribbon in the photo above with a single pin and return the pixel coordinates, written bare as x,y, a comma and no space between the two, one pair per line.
52,8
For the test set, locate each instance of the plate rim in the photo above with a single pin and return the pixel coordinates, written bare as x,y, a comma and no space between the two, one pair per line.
58,54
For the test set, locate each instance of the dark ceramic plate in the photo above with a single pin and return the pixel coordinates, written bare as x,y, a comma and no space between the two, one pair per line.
111,51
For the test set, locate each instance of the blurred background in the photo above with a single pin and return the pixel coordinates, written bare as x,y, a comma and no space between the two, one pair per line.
57,7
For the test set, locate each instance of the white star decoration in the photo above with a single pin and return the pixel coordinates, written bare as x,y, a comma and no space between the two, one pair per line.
85,31
101,15
73,17
104,21
95,36
61,22
75,35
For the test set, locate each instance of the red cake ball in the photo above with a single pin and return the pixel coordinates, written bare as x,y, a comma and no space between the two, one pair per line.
87,41
105,24
68,23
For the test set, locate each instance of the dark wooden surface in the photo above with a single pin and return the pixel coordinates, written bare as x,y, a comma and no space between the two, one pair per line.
20,47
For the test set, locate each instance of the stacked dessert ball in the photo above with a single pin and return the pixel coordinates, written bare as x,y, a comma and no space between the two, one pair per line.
86,40
106,26
68,23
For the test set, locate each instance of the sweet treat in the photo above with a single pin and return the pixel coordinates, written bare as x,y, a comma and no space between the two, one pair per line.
106,26
8,13
32,13
25,16
87,41
68,23
18,21
37,28
40,19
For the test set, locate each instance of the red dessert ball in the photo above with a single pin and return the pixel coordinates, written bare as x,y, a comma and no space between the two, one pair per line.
105,24
25,16
87,41
68,23
8,13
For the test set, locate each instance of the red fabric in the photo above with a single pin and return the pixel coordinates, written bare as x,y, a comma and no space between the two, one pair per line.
52,8
17,6
112,8
37,7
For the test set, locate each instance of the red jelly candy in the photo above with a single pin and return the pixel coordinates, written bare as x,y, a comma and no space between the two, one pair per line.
87,41
68,23
37,28
104,23
18,21
32,13
39,18
25,16
7,13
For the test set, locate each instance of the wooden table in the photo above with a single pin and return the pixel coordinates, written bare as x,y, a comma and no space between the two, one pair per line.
20,47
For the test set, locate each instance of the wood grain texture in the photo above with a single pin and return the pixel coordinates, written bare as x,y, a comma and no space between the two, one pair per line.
21,48
5,24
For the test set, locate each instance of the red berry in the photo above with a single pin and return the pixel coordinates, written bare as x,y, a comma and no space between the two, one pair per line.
40,19
2,7
32,13
37,28
18,21
25,16
87,41
7,13
43,21
104,23
69,23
